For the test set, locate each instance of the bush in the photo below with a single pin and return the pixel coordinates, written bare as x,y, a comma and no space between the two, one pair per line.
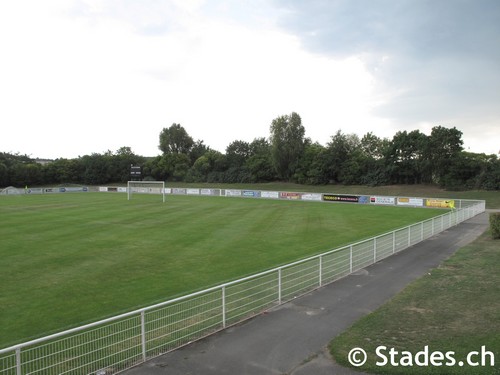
495,225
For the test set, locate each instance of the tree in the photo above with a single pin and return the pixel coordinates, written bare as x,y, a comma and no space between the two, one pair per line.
443,147
237,153
287,144
259,164
199,149
175,140
311,168
404,157
337,153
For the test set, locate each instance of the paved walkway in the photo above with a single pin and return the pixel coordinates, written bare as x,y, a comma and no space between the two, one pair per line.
292,339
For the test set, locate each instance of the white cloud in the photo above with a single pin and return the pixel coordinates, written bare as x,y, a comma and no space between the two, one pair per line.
98,83
88,76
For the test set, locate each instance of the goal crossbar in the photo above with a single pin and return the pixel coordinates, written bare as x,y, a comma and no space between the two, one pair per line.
146,187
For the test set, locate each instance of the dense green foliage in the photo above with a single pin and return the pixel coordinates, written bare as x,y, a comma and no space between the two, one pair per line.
73,258
495,225
286,155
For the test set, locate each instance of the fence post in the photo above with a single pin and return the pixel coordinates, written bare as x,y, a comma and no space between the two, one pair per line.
223,306
422,232
350,258
409,236
375,250
279,286
143,335
320,269
18,361
393,241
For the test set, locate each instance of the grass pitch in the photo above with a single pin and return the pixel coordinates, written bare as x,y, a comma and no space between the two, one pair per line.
69,259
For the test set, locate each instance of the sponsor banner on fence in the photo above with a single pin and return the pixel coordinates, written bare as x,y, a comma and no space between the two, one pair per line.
287,195
209,191
193,191
383,200
311,197
440,203
178,191
340,198
122,189
270,194
364,199
34,191
251,193
233,193
75,189
103,189
410,201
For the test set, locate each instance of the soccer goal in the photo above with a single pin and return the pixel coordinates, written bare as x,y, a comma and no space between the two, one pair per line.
146,187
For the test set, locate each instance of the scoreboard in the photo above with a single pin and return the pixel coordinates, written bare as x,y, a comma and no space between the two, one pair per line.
135,172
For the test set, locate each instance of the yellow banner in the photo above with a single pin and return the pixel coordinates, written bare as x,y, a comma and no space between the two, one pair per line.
440,203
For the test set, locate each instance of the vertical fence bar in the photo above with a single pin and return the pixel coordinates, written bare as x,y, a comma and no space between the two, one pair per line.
320,270
18,361
393,241
279,286
375,250
350,258
143,335
409,236
422,231
224,306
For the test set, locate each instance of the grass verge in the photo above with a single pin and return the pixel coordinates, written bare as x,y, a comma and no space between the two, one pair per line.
454,308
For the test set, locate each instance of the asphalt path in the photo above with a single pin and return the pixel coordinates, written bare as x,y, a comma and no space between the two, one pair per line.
292,339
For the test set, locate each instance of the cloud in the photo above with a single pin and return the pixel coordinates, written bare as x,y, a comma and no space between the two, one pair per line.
434,62
106,74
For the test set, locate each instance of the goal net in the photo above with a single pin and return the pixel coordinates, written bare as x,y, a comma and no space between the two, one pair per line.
145,187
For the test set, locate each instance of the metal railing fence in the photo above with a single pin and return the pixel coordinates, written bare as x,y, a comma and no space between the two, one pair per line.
115,344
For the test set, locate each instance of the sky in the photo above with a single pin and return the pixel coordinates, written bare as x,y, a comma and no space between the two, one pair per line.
85,76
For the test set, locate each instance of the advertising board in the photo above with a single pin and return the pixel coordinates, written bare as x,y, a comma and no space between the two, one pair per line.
270,194
233,193
179,191
390,201
404,201
251,193
209,191
292,196
311,197
340,198
440,203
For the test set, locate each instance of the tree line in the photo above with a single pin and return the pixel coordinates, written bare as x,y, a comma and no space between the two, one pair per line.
286,155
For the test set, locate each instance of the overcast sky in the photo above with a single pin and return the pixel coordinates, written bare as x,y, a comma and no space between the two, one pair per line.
84,76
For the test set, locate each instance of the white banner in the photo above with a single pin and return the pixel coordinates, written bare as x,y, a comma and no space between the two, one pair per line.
233,193
270,194
193,191
383,200
311,197
410,201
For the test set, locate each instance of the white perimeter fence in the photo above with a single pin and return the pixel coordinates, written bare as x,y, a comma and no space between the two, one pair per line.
118,343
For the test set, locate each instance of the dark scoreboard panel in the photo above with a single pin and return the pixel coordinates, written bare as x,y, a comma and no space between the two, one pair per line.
135,172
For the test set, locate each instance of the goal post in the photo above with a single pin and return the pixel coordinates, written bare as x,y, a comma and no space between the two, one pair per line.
146,187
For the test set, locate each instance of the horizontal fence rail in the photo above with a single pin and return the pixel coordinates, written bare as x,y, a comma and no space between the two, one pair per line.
118,343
